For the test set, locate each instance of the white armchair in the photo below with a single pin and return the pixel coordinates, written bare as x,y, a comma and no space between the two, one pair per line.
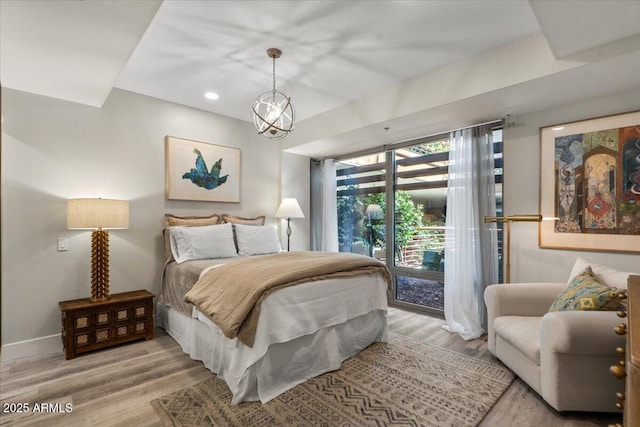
565,355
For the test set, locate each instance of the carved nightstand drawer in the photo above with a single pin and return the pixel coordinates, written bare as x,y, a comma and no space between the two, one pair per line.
103,317
140,311
140,327
123,314
90,325
103,335
81,339
123,331
82,321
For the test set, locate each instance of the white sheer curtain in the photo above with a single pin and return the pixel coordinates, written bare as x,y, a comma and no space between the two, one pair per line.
471,250
324,212
329,233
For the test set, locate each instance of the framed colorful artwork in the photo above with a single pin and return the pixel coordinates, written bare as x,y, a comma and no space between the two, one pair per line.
590,184
201,171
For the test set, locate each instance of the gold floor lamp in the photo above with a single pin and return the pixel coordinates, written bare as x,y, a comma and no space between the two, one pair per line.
507,235
98,215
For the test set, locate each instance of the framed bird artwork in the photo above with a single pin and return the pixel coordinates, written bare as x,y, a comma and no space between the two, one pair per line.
201,171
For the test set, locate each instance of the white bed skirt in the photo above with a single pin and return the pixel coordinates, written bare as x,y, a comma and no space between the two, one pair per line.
251,376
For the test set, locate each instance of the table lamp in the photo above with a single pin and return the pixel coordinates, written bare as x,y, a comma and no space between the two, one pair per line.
289,208
98,215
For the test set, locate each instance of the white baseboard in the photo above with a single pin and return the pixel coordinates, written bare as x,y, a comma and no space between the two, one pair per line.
32,347
36,346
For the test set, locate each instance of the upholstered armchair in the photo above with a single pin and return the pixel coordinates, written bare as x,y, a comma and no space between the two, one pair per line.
563,355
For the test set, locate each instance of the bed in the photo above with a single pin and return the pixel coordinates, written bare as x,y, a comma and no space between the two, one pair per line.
302,331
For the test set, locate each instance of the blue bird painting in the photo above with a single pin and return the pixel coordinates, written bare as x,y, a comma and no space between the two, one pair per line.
201,177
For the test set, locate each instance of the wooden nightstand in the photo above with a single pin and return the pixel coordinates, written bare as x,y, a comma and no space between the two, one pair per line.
88,326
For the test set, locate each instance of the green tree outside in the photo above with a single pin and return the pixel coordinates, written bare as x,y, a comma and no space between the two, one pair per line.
355,226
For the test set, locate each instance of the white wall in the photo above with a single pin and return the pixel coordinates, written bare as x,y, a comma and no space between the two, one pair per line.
529,263
54,150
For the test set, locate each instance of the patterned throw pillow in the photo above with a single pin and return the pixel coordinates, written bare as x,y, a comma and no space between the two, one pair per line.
586,292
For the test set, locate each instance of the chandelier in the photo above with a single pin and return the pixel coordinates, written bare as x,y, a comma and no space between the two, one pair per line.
273,114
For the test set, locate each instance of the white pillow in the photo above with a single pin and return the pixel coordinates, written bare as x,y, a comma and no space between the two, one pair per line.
211,241
257,240
607,275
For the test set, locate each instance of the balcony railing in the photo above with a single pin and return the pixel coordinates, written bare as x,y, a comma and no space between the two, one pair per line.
426,249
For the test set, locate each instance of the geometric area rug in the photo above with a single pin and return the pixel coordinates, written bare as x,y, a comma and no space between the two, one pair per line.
400,383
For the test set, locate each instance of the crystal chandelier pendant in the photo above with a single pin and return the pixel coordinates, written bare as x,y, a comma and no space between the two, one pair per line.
273,112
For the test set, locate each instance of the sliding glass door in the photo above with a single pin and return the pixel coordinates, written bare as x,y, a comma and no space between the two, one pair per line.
361,191
419,179
392,205
404,227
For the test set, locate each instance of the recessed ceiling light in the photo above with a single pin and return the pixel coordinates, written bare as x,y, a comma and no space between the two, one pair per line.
211,95
558,128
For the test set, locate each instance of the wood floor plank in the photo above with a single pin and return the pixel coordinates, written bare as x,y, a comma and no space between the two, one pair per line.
96,376
114,387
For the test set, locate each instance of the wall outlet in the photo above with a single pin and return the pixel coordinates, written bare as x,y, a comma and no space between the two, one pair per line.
63,244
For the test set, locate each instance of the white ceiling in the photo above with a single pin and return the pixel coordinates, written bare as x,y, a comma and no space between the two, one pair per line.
335,54
574,26
71,50
333,51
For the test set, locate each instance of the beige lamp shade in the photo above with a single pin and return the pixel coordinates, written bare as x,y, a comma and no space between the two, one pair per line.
89,214
289,208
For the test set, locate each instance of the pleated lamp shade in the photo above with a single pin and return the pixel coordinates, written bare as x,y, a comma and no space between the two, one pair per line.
89,214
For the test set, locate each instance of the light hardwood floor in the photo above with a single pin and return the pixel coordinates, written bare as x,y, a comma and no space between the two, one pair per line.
113,387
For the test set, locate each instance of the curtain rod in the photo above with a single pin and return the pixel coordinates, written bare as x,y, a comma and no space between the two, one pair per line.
501,121
415,141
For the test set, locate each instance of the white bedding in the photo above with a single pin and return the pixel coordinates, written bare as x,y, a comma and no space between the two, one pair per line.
303,331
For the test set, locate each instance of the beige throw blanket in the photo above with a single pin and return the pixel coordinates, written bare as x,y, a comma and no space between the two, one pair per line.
231,295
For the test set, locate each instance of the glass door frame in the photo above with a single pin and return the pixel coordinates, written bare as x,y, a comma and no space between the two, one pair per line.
390,159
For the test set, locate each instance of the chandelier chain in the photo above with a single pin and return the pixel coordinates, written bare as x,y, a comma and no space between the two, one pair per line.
274,75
